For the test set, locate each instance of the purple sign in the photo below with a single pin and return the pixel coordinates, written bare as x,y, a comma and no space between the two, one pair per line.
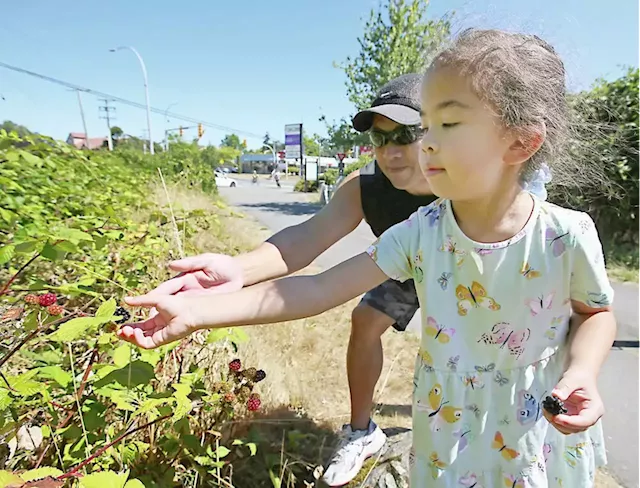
292,139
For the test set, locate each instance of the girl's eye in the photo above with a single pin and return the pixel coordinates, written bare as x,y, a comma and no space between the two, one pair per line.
450,125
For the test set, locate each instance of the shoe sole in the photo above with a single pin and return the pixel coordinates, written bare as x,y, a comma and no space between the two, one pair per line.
369,451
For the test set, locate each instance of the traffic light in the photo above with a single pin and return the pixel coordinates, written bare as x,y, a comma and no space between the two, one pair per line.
181,131
244,143
200,131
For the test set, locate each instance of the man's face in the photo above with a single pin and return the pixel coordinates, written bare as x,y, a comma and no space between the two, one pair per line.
400,163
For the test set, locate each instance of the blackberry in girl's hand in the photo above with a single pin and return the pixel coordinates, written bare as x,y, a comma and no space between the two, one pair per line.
123,314
554,405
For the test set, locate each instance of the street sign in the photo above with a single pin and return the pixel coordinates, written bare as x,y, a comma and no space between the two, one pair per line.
341,156
293,140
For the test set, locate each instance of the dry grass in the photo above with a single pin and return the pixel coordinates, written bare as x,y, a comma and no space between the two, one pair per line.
305,394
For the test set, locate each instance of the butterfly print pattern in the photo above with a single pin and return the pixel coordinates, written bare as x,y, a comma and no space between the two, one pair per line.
502,334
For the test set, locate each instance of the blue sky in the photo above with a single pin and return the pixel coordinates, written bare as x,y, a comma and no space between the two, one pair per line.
253,66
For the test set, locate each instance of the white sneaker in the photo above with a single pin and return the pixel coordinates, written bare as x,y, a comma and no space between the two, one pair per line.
354,449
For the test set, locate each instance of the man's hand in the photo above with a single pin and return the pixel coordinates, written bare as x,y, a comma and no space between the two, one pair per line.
579,392
202,274
174,318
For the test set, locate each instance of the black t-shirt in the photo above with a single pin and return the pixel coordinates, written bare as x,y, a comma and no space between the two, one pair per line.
383,204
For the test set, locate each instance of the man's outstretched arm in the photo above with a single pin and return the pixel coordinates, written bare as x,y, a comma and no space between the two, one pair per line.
297,246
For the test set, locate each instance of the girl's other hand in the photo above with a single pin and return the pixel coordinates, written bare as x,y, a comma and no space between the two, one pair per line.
579,392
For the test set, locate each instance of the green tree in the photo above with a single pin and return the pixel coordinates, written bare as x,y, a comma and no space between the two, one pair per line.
267,139
228,154
21,130
607,125
116,133
398,39
233,141
311,145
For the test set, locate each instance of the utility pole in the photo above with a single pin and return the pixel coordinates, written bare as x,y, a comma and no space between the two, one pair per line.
84,123
107,116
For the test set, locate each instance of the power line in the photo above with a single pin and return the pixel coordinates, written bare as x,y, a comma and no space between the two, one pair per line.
127,102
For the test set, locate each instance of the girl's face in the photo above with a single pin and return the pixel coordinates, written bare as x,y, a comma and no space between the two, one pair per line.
466,154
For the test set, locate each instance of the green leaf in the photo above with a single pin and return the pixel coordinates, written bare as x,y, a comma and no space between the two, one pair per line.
75,328
151,404
67,246
7,478
134,484
5,399
181,389
221,452
217,335
151,356
253,448
122,355
27,246
56,373
107,309
51,253
39,473
30,158
183,407
31,321
24,385
238,335
93,415
6,215
104,479
6,253
132,375
100,241
73,235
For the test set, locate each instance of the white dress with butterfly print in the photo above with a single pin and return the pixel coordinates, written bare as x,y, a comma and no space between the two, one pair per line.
494,322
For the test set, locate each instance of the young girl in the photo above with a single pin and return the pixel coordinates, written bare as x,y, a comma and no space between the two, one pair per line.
498,273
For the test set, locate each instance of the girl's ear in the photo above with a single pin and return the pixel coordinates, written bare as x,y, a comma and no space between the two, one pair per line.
526,143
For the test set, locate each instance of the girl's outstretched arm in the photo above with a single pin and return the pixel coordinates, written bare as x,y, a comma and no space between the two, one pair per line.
276,301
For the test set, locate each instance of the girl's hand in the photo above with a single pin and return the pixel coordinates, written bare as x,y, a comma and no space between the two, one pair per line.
579,392
174,318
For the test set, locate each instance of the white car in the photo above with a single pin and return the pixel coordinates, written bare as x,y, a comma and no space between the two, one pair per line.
222,180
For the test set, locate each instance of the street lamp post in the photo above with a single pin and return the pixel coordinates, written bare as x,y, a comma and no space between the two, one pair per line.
275,163
146,89
166,133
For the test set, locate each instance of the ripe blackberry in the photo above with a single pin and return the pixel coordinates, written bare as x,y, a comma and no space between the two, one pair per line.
55,309
123,314
554,405
235,365
260,375
253,404
31,299
47,299
249,373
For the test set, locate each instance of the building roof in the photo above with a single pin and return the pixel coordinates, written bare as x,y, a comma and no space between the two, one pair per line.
78,139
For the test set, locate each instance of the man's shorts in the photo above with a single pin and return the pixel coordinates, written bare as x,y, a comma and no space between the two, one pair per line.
395,299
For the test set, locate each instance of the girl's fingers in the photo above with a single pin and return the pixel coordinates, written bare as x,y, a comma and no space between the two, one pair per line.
169,287
192,263
576,423
148,300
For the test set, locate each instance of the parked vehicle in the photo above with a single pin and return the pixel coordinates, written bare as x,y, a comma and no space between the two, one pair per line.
224,181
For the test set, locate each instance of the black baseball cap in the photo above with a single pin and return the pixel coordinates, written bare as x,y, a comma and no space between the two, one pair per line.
398,100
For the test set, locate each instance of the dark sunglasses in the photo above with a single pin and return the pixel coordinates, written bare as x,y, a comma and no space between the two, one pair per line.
400,136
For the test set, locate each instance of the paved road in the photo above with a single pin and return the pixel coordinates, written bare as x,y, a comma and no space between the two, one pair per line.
278,208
